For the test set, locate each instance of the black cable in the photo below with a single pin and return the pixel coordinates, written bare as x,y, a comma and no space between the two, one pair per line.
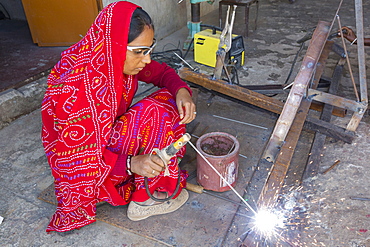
294,62
168,57
187,51
165,199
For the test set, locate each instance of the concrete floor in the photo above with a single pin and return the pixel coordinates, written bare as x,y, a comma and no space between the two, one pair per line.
205,220
22,61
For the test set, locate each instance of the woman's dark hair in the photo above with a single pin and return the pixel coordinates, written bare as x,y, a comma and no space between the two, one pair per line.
139,20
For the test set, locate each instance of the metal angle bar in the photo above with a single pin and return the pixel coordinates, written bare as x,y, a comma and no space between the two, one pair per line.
357,116
281,161
262,101
298,91
335,100
361,50
329,129
276,178
237,92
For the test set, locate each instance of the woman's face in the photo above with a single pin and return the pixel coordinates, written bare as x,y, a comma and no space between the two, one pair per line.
135,59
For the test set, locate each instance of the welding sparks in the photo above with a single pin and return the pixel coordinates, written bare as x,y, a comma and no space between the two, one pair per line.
266,222
269,224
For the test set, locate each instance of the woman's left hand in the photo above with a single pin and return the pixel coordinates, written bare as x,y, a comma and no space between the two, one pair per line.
184,101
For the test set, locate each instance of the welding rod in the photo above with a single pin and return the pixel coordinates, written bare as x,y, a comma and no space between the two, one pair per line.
332,166
188,64
360,198
199,189
236,121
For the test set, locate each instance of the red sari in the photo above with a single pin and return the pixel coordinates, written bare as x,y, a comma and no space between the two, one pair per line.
88,123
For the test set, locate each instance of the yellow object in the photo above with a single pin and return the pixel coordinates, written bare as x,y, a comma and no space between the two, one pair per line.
59,23
206,45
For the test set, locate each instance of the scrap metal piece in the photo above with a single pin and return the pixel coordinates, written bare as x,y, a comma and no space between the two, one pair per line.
332,166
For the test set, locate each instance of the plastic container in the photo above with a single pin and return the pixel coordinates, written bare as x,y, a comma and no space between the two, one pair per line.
222,151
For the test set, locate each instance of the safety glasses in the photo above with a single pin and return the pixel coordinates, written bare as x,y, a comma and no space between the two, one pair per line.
142,50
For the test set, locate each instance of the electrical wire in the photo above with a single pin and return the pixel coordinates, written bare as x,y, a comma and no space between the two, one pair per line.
167,57
294,62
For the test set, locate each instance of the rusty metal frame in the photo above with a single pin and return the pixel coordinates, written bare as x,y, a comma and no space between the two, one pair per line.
294,113
280,148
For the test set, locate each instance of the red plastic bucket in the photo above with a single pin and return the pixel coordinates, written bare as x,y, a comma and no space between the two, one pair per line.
222,151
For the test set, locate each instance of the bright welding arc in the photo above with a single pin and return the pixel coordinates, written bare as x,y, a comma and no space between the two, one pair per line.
231,187
266,222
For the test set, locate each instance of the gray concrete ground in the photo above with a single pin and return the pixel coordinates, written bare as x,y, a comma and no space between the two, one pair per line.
335,219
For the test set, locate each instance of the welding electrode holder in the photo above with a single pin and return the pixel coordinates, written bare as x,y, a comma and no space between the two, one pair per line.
166,154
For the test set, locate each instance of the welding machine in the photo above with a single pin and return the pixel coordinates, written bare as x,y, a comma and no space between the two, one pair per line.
206,45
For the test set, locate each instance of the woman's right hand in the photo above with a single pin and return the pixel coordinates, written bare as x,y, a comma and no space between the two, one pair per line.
147,165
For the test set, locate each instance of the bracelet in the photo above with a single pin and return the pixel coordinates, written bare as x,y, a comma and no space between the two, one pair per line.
128,165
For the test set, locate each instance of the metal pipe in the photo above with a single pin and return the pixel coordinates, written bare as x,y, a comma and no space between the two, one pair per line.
195,12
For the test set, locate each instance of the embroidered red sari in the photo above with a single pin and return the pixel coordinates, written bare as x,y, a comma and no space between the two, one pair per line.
88,122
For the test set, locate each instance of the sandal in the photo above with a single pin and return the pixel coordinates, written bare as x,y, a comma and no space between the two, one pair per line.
151,202
136,212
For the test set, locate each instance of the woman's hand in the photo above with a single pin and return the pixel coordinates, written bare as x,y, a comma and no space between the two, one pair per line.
184,100
147,165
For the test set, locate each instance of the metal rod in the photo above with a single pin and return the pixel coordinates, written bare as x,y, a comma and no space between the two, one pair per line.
245,157
360,198
236,121
336,13
332,166
218,173
347,58
191,67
